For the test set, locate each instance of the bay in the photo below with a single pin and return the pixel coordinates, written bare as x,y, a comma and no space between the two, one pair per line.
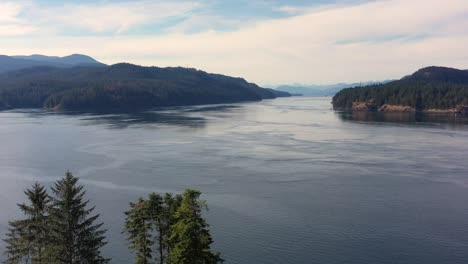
287,180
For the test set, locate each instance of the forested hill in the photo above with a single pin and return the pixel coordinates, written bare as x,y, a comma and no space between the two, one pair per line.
431,88
121,87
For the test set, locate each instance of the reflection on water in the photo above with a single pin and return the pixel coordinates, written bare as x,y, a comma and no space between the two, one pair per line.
130,119
403,117
144,119
287,180
213,108
176,116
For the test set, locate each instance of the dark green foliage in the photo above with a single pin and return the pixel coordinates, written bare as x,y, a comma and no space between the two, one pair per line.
190,237
61,229
29,239
171,205
17,248
121,87
429,88
77,238
56,230
138,228
175,225
148,222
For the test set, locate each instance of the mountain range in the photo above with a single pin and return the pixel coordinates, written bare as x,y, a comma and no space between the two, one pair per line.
12,63
79,82
321,90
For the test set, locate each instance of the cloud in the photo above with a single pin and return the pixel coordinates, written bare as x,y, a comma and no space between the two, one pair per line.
10,22
97,17
9,12
292,10
326,44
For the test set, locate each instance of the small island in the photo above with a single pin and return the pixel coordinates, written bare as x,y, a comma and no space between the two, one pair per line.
431,89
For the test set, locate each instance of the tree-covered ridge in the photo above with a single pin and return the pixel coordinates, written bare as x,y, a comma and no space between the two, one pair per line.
121,87
428,88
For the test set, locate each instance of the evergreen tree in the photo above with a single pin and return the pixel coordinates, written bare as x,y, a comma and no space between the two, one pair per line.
138,229
17,248
190,238
29,239
157,219
161,212
77,238
148,223
171,203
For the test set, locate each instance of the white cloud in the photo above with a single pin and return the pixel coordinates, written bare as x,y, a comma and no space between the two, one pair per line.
115,17
10,23
374,40
292,10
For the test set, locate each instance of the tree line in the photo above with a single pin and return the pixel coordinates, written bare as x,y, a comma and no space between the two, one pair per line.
121,87
62,228
428,88
421,95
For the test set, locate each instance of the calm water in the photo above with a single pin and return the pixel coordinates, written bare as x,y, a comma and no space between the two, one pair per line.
287,180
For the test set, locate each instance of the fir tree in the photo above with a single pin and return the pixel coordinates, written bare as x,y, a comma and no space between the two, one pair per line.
78,239
17,248
190,238
29,239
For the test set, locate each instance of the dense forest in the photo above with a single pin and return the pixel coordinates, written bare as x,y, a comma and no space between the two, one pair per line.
122,87
428,88
62,227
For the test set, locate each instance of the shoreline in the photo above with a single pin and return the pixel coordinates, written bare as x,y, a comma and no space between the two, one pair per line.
371,106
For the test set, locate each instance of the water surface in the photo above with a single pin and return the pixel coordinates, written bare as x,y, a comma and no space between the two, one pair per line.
286,180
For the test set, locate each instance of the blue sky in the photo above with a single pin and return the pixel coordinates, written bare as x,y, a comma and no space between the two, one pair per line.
265,41
236,12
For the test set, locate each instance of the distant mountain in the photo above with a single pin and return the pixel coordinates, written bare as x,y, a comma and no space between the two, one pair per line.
428,89
8,63
320,90
73,60
121,87
12,63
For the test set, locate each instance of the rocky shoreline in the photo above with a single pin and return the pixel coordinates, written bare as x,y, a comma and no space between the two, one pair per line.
371,105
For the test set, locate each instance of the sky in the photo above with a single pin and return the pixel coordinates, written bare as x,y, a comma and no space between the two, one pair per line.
269,42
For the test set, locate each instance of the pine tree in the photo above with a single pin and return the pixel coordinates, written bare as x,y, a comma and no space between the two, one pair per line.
190,238
78,239
138,228
29,239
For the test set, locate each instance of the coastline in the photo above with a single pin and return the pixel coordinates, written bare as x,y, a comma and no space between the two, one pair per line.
371,106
